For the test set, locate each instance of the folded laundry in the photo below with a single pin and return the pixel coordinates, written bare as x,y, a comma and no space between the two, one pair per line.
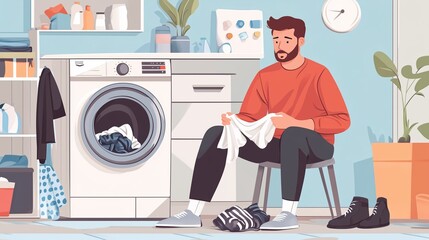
16,49
116,143
261,132
13,161
14,42
236,219
125,130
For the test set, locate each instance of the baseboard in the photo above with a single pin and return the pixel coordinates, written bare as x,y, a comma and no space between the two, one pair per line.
214,208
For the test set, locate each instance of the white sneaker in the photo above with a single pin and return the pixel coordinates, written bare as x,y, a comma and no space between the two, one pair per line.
285,220
185,219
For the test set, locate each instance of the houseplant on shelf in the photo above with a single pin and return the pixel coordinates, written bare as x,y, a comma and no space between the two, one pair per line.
400,168
179,20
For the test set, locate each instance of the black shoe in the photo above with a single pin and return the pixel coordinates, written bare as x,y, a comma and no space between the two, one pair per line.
380,216
357,212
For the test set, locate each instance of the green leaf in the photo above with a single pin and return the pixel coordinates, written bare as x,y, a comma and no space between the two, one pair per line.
420,94
407,71
189,9
424,130
422,61
185,29
411,127
384,65
182,8
397,83
422,83
170,10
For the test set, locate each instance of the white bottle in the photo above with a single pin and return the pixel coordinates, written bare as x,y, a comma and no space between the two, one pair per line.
76,22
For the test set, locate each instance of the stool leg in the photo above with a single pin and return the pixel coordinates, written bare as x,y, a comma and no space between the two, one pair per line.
334,189
322,175
258,184
267,188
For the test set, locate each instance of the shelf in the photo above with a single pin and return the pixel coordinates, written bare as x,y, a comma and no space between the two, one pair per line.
89,31
17,55
16,135
19,79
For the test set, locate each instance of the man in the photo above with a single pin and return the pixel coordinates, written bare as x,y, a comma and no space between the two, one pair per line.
311,111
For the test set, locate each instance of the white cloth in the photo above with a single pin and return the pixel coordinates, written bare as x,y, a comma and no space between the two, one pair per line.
125,130
260,132
9,120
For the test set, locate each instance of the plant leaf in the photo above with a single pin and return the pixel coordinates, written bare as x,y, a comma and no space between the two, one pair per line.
424,130
384,65
185,29
422,61
170,10
420,94
412,125
381,138
182,8
422,83
371,135
189,10
407,71
397,83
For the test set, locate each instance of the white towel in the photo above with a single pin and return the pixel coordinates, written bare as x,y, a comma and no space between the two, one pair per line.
125,130
9,120
260,132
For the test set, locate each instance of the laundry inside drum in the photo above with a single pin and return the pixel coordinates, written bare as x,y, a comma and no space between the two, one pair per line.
122,126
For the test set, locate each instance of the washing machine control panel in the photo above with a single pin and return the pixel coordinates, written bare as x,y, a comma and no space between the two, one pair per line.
121,68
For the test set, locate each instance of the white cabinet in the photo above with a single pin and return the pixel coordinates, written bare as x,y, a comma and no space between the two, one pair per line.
201,91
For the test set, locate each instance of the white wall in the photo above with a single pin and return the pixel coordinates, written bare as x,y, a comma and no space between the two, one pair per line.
411,40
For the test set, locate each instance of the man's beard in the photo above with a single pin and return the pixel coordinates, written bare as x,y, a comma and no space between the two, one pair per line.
289,56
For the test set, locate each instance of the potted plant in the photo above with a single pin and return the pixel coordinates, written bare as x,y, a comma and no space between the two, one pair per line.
179,20
400,168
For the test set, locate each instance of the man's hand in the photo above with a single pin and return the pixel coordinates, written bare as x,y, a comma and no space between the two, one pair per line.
225,119
283,121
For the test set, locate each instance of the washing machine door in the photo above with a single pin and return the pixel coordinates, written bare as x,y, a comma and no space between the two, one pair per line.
114,106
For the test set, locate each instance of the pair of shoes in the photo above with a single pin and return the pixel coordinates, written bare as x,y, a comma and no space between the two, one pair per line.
284,221
185,219
357,215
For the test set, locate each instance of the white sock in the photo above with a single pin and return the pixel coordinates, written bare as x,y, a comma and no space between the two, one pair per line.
290,206
196,206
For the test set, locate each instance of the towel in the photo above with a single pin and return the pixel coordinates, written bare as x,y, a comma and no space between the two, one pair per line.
260,132
14,161
125,130
9,119
14,42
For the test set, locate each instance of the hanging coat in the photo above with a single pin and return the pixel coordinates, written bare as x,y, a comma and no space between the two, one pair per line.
49,107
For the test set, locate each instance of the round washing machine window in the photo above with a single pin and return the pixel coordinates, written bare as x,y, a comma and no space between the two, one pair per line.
117,105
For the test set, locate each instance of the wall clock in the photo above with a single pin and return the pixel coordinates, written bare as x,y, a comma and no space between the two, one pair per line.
341,15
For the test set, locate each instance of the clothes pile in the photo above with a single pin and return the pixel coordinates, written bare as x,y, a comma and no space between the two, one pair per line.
13,161
118,139
236,219
9,119
15,44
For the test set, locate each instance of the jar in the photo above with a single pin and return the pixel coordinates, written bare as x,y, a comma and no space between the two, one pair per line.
162,39
100,21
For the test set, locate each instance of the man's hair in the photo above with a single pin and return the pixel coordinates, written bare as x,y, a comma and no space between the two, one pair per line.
287,22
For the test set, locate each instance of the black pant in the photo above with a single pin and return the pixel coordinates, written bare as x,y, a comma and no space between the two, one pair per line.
296,148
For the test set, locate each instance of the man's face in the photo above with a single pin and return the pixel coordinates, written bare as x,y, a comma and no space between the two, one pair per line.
286,45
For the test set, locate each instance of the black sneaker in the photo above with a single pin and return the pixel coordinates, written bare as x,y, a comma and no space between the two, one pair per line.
357,212
380,217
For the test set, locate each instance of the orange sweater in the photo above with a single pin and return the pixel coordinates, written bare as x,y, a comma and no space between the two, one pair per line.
308,92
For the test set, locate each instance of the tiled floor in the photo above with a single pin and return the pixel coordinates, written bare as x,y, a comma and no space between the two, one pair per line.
310,228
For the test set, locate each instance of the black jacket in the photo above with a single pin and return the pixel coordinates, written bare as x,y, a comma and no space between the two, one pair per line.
49,107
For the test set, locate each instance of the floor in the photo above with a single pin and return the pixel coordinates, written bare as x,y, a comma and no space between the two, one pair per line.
310,228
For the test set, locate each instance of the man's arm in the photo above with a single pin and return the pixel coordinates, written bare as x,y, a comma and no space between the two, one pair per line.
337,119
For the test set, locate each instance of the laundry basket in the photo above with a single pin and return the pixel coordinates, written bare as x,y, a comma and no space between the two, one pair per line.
422,201
6,195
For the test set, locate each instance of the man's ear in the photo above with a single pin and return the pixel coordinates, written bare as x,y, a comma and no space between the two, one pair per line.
301,41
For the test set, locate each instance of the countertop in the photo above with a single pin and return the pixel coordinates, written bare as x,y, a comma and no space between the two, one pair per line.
154,56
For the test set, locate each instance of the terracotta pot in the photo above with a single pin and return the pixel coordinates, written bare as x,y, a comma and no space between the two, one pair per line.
401,173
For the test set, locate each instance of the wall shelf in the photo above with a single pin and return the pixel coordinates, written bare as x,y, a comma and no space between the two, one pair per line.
88,31
16,135
17,55
19,79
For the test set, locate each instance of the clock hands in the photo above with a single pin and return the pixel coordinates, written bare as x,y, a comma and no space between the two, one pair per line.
339,12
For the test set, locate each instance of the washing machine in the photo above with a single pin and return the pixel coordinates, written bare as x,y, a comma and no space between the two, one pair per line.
110,179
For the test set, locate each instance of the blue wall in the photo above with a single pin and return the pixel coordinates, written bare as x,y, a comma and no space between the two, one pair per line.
348,56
